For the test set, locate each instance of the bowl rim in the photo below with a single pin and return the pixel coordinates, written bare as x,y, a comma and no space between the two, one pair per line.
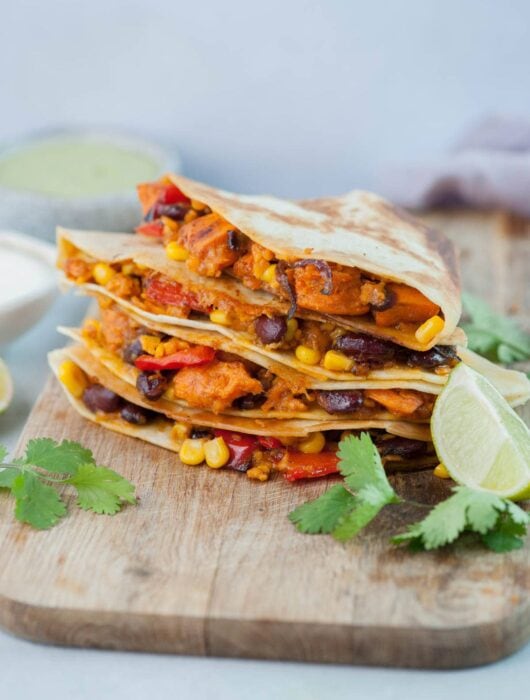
167,155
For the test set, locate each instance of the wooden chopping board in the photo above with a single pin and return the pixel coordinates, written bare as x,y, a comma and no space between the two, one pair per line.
208,564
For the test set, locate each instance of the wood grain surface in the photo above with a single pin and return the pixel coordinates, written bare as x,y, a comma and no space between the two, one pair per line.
208,564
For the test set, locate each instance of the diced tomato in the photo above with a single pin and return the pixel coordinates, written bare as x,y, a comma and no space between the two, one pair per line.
190,357
151,193
167,291
153,229
309,466
240,446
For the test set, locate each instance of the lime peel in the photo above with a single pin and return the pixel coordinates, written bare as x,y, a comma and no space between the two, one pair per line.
6,386
479,438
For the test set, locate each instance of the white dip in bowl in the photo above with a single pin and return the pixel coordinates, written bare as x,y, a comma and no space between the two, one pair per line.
28,283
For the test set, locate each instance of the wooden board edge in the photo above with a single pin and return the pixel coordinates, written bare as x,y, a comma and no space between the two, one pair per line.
447,648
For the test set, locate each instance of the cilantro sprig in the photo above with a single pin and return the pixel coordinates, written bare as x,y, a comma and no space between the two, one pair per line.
492,335
347,508
35,480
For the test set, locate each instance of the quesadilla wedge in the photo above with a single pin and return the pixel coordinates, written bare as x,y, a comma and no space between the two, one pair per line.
356,256
258,448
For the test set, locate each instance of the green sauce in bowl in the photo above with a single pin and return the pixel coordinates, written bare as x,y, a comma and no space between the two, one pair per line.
71,166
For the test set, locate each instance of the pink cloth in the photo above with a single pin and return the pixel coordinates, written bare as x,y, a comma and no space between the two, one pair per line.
489,167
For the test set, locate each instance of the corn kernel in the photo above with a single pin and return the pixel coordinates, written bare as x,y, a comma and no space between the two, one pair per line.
198,206
103,273
190,215
220,317
269,276
428,330
192,451
292,327
307,355
129,268
149,343
337,361
216,453
175,251
73,378
180,431
441,472
312,444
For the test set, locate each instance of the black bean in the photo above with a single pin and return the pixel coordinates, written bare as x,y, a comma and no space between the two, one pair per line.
200,433
365,348
402,447
132,351
436,356
270,329
177,212
134,414
346,401
151,385
98,398
249,401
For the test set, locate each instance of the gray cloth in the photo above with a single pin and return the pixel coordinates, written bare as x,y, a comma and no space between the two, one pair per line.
489,167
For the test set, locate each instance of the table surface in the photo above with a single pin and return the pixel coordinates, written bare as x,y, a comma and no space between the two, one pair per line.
80,673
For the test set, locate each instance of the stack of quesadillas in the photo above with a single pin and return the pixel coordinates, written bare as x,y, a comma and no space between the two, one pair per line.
251,332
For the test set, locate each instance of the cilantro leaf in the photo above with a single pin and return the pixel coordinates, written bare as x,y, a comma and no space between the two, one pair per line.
7,476
340,512
37,504
3,452
323,513
353,522
361,466
64,458
493,335
100,489
500,522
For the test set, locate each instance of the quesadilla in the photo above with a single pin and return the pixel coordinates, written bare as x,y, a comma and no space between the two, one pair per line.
355,257
257,447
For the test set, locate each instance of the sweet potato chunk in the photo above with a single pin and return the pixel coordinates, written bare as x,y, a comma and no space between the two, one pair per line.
411,307
397,401
208,242
344,297
214,386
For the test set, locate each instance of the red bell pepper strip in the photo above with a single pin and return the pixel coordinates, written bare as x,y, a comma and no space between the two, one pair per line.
309,466
167,291
241,448
269,442
153,229
151,193
190,357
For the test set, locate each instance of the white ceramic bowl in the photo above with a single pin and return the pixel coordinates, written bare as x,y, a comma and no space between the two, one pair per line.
38,214
19,314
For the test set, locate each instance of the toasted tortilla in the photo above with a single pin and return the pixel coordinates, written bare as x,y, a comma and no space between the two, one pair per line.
129,374
158,431
255,426
120,247
357,229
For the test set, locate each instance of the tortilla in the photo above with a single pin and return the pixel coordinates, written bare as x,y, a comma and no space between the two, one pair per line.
129,374
358,229
254,426
115,248
159,429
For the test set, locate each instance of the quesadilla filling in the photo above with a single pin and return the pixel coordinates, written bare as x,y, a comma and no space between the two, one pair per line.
312,343
210,378
305,457
211,246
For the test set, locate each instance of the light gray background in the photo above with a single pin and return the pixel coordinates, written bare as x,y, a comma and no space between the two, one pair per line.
296,98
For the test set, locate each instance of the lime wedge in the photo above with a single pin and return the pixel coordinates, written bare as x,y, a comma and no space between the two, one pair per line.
6,386
479,438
